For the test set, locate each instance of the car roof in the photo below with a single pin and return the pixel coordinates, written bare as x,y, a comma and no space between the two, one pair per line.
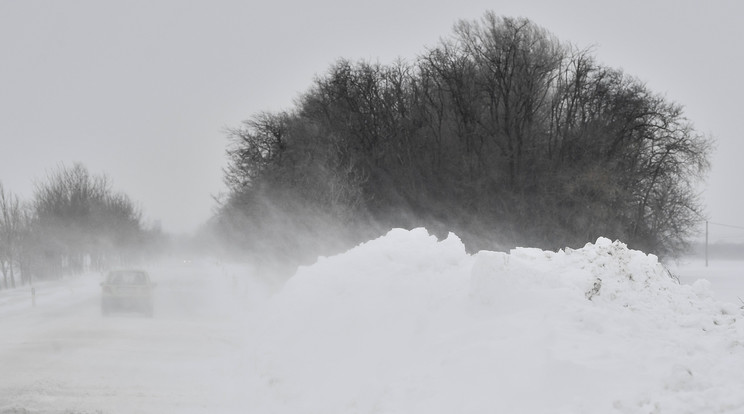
127,271
127,274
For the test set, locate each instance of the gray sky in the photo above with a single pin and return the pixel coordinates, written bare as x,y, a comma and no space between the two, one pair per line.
142,90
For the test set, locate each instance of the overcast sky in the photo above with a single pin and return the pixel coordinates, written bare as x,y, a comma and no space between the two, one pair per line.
142,90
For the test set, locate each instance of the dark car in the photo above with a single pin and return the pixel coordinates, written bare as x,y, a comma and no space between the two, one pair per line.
127,290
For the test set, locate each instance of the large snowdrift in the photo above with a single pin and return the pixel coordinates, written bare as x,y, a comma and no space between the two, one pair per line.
410,324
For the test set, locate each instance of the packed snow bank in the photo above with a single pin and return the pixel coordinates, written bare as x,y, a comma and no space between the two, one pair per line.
409,324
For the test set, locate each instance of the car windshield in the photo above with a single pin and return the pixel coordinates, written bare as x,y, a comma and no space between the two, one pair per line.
127,278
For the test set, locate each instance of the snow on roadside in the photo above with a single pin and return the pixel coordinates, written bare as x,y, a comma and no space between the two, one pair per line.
409,324
47,293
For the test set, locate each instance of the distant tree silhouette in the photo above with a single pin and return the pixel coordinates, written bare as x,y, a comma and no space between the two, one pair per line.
83,222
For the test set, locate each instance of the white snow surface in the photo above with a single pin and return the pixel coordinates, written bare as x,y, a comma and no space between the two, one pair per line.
401,324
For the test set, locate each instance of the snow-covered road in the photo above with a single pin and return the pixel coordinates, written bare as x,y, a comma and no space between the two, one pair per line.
62,356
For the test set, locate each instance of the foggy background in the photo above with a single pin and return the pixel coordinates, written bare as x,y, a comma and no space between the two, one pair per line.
142,91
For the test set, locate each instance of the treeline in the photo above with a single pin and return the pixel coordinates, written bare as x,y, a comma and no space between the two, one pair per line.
501,133
75,222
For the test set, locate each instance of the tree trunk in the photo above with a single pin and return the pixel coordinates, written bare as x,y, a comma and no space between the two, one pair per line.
12,274
5,275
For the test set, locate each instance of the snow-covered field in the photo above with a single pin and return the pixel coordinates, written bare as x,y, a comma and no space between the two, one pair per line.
401,324
726,276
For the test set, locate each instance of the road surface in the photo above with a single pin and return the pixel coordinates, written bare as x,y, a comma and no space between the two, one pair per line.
63,356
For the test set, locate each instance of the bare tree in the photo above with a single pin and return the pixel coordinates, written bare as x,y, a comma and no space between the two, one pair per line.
11,231
499,132
83,222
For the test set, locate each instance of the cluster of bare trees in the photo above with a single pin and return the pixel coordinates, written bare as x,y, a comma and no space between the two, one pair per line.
74,222
501,133
14,231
